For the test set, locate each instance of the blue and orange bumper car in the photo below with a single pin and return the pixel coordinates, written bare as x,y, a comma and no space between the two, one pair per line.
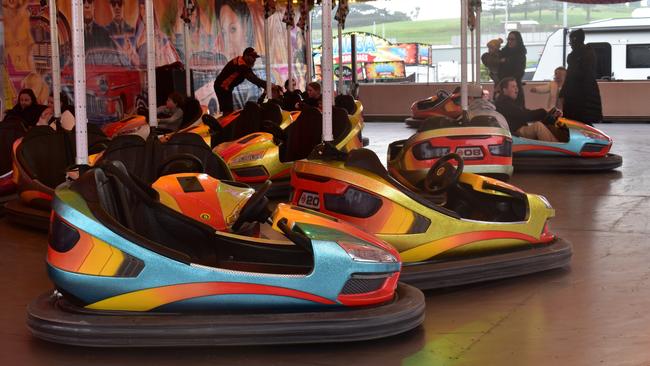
130,271
485,147
580,148
460,228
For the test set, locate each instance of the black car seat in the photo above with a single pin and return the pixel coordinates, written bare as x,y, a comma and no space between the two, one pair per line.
346,102
302,135
272,112
11,129
135,207
249,121
192,111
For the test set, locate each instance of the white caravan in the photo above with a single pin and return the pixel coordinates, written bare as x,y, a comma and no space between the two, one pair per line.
622,47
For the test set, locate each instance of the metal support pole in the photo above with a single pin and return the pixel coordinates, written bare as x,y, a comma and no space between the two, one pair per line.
477,29
463,54
326,69
289,59
79,70
151,63
310,52
471,55
56,63
267,59
340,34
186,51
353,60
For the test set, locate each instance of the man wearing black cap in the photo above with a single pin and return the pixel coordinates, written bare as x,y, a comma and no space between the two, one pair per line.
233,74
580,94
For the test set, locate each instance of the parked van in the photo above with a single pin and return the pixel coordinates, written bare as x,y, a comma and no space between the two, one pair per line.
622,47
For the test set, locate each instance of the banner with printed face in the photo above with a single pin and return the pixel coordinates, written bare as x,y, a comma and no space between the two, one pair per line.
115,44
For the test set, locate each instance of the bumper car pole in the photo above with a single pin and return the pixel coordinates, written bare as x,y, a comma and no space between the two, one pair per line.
186,52
463,54
289,50
56,65
310,51
340,70
267,58
79,67
326,65
151,63
477,50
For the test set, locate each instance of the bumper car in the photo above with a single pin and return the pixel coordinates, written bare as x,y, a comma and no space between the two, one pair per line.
581,148
442,104
271,153
485,147
11,129
130,271
40,162
460,228
245,121
139,125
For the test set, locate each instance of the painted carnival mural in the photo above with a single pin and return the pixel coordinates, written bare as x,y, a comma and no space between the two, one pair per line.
116,49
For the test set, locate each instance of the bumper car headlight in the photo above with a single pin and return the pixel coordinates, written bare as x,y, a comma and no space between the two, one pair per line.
593,135
545,202
248,157
366,253
424,151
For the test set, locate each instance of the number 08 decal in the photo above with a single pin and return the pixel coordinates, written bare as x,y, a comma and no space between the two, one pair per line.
309,200
470,152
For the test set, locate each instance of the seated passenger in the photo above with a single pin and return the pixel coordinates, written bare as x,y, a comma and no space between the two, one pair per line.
313,96
27,108
519,117
170,115
480,105
67,113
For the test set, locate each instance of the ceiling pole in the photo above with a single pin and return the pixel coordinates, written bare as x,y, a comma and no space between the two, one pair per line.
477,29
289,59
187,50
326,69
56,63
267,59
310,52
79,70
151,63
463,54
340,70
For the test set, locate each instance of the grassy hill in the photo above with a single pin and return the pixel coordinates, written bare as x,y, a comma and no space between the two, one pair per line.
439,32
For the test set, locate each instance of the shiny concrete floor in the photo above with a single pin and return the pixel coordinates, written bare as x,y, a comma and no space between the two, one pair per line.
596,312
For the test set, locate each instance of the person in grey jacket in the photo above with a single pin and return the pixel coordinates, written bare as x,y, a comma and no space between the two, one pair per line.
170,115
482,106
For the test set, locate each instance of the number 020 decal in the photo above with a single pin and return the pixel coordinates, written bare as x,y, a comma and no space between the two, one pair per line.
310,200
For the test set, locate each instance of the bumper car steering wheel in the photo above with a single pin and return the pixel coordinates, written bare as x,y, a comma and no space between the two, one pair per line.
255,209
443,174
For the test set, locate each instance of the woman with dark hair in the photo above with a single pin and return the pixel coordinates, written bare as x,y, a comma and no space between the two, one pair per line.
235,26
522,122
513,62
27,108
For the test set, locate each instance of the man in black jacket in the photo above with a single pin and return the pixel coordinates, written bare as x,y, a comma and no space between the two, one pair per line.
580,94
519,117
233,74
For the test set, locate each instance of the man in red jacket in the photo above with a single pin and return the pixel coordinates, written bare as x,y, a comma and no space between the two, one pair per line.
233,74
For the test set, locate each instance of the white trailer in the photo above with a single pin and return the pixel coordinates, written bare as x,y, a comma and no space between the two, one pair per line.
622,47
